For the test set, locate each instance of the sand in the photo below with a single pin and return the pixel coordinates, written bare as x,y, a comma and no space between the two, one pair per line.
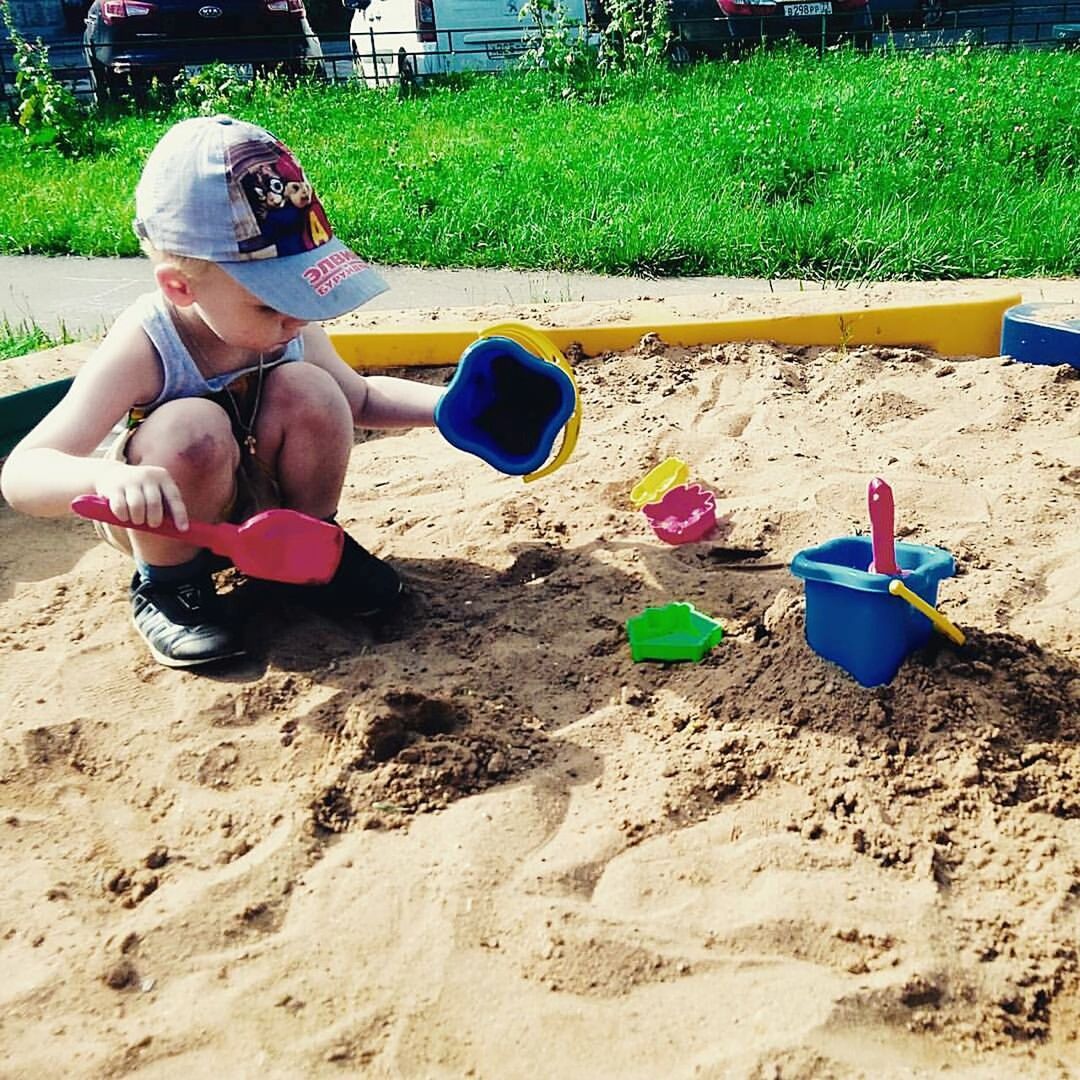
479,841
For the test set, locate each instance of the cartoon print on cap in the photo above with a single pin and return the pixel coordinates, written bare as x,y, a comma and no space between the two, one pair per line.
287,215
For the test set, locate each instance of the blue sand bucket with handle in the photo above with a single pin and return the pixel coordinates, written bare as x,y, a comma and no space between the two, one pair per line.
511,395
851,617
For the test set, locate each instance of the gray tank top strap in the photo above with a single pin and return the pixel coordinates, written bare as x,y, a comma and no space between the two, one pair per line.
182,377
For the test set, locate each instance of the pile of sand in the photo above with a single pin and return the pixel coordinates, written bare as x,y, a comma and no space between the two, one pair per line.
480,841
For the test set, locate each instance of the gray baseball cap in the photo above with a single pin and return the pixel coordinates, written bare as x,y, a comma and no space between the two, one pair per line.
227,191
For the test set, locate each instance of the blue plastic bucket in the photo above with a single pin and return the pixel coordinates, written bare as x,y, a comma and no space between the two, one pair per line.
852,619
505,405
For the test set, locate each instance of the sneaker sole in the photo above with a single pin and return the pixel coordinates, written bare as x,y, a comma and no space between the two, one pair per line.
172,662
331,611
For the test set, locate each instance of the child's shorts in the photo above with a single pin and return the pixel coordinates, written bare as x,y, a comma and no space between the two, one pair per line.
255,490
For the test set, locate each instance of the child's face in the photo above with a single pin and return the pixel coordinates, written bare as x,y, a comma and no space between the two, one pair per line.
238,317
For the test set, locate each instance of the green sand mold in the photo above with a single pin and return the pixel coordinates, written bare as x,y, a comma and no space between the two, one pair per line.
673,632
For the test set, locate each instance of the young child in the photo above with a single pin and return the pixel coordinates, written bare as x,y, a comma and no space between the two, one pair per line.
228,396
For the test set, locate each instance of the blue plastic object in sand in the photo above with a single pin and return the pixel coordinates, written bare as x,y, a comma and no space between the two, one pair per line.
511,395
1042,333
851,617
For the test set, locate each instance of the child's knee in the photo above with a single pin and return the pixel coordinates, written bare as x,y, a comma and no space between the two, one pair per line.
307,396
204,453
191,435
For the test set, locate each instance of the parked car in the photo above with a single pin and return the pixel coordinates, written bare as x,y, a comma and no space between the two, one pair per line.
908,14
720,27
129,42
965,14
74,12
402,40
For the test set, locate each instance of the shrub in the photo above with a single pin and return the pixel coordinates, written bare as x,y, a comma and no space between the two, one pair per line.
561,45
47,112
214,88
635,33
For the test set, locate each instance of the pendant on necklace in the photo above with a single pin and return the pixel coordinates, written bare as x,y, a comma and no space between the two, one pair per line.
249,442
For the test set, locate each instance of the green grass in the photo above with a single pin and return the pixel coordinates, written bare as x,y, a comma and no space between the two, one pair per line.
18,339
781,165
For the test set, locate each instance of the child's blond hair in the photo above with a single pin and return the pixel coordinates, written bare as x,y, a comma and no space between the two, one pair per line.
188,265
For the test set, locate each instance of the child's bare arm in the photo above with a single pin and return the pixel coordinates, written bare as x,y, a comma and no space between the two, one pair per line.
377,401
55,461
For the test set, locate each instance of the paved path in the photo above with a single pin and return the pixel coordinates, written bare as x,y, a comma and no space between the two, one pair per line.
85,295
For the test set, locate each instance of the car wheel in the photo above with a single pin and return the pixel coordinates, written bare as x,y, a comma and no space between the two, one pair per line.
102,82
679,54
933,13
406,72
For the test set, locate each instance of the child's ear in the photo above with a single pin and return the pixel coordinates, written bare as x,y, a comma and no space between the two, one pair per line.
174,284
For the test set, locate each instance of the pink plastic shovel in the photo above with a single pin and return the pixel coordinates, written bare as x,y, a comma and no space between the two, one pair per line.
879,498
278,545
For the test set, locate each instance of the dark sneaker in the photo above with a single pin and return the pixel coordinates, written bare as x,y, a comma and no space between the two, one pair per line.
184,624
363,585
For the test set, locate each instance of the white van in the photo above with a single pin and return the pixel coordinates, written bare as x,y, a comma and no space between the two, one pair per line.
402,40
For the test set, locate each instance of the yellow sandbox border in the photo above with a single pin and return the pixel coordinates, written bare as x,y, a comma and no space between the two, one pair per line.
950,328
969,327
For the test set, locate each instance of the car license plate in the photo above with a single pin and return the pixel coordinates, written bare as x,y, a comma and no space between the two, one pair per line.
498,49
242,71
797,11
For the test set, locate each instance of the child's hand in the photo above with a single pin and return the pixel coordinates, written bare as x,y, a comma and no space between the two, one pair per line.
142,494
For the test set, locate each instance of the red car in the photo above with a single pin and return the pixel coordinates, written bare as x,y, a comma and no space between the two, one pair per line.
129,42
719,27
